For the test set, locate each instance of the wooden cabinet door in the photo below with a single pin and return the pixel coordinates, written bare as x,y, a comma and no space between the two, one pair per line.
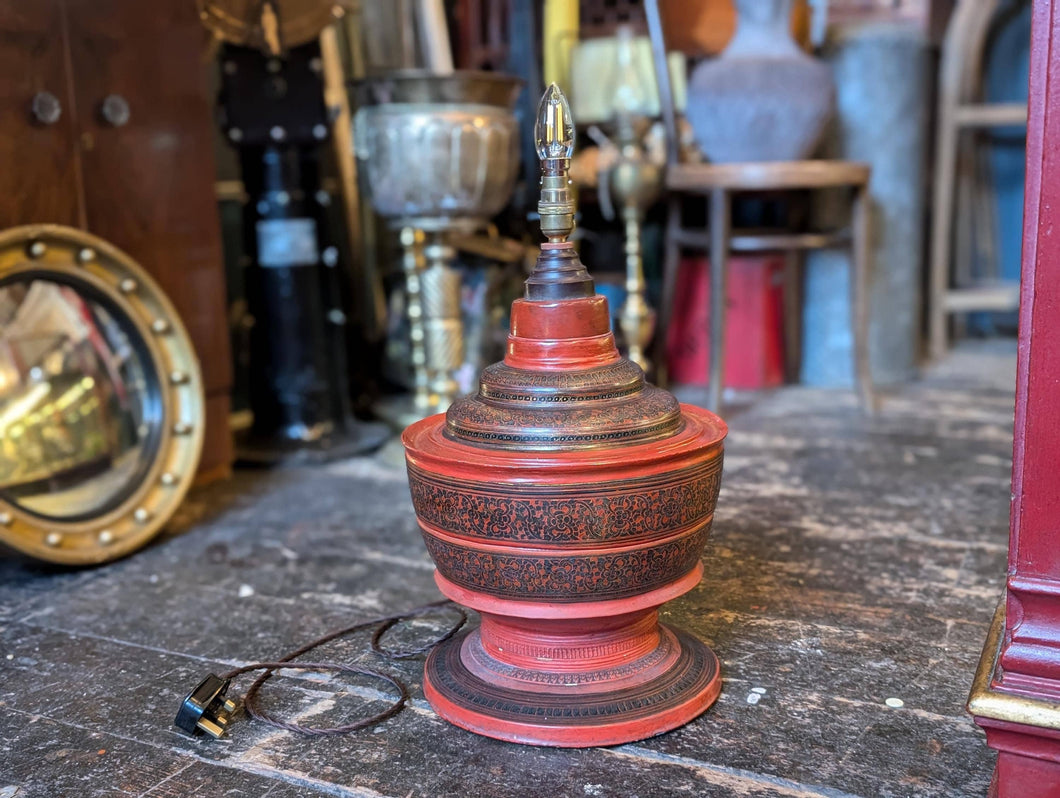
38,161
149,181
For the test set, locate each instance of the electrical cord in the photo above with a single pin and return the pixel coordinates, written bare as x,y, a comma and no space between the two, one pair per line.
206,709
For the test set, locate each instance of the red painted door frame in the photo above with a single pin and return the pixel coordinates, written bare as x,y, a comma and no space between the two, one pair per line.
1031,648
1028,662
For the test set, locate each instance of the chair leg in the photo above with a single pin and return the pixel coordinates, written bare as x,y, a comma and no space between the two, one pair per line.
671,257
720,231
859,298
792,315
941,231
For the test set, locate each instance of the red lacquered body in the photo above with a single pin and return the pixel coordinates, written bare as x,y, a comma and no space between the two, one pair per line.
566,502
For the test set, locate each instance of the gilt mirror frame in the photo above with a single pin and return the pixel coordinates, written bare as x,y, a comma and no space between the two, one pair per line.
77,259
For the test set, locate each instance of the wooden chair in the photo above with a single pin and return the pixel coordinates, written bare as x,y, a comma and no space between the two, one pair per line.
961,114
718,183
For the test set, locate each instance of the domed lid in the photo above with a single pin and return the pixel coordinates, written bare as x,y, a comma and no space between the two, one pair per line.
562,383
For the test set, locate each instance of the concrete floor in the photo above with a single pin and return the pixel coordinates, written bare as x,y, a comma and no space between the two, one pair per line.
854,561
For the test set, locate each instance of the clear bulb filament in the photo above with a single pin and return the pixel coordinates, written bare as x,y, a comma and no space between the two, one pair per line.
554,129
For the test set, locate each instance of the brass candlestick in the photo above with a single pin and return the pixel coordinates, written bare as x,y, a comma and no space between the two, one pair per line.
442,322
634,181
635,317
412,264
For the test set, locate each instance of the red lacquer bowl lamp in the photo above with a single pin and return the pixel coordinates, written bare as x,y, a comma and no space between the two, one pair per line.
565,502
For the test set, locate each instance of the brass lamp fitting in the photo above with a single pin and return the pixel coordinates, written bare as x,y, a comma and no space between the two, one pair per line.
554,138
558,273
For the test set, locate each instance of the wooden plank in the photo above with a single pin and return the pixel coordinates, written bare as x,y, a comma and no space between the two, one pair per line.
767,241
999,297
985,115
767,176
39,176
149,183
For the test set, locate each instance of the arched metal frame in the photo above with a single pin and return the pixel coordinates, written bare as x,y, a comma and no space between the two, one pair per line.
76,258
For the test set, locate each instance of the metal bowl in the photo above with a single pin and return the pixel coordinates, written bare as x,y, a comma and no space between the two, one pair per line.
421,86
438,151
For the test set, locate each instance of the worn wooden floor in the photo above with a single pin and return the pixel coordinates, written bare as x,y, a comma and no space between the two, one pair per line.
854,561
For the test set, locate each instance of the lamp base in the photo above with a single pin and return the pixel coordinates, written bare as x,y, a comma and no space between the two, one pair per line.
572,684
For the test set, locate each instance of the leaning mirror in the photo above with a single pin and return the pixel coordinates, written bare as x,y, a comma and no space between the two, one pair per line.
101,399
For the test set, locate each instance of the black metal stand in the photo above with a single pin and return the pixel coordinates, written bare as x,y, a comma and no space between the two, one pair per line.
273,111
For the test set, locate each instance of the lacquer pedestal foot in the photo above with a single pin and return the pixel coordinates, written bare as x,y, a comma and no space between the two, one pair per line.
572,681
543,704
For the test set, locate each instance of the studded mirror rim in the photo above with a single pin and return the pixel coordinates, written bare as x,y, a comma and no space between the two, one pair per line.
81,258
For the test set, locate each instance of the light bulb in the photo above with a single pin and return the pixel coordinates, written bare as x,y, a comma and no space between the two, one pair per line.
554,129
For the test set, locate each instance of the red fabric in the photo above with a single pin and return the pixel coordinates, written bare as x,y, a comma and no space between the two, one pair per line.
754,323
